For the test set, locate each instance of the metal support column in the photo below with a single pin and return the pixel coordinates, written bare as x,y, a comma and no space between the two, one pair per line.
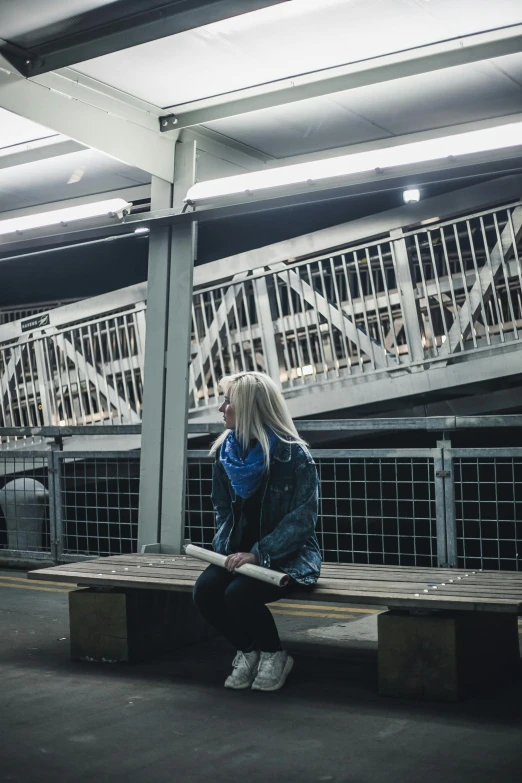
407,296
163,450
154,373
177,359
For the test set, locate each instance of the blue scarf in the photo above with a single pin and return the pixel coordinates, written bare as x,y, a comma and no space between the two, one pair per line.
245,473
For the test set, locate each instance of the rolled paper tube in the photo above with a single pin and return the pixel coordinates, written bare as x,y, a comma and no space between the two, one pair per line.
257,572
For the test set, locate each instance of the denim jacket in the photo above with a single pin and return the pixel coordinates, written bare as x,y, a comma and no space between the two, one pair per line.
287,539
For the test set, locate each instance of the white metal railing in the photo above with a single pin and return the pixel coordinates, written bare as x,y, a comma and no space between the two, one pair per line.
414,298
419,296
85,368
10,314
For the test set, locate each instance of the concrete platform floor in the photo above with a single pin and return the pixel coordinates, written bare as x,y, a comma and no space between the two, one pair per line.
171,720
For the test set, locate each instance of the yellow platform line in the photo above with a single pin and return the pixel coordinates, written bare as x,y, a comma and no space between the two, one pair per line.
312,614
303,611
37,587
32,581
315,607
308,612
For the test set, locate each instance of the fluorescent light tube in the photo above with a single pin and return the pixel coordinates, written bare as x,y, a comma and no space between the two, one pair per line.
57,216
417,152
411,196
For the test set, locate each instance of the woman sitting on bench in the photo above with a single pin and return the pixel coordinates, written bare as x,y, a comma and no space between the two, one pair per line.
265,495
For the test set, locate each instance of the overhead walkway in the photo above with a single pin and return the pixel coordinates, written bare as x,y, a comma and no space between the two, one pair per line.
404,314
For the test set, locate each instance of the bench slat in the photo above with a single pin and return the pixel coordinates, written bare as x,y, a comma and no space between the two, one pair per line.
394,586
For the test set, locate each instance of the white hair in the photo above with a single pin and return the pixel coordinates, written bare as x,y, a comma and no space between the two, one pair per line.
258,403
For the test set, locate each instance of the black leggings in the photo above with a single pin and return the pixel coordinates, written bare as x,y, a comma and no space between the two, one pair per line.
235,606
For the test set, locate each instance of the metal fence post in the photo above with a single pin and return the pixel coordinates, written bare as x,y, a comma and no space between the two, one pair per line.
445,506
440,506
183,239
55,504
449,493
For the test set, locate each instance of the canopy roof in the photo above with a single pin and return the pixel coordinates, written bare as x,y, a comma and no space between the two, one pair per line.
289,79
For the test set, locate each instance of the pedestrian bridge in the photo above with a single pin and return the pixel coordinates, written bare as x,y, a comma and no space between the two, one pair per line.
401,314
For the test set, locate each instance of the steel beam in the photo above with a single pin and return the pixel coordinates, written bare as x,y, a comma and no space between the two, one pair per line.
500,190
214,143
340,319
406,291
34,151
176,391
177,362
76,114
151,478
94,377
169,301
103,37
204,348
375,70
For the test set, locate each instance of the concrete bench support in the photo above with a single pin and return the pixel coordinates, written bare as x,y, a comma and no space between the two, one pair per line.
131,625
445,656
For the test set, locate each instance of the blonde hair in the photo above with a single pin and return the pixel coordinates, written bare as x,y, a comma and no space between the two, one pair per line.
258,404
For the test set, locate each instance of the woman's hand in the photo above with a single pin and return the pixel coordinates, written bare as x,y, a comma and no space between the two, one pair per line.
238,559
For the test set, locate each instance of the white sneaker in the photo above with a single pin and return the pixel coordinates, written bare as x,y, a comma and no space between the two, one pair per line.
245,669
273,670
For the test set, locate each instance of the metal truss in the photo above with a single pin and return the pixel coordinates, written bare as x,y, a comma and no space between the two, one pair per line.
387,68
104,30
370,321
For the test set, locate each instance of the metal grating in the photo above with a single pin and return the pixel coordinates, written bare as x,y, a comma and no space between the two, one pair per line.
392,507
371,510
99,504
488,512
24,503
377,510
199,512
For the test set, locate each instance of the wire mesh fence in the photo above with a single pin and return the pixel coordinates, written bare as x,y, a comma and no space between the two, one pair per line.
25,509
392,507
99,503
373,508
377,509
488,510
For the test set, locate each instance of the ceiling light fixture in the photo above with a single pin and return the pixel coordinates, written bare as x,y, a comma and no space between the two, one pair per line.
411,196
460,144
142,230
112,207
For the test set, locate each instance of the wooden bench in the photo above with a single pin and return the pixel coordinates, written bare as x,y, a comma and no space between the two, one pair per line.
447,632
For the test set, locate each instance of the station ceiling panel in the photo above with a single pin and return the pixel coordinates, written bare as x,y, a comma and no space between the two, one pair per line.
463,94
67,177
16,130
286,40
